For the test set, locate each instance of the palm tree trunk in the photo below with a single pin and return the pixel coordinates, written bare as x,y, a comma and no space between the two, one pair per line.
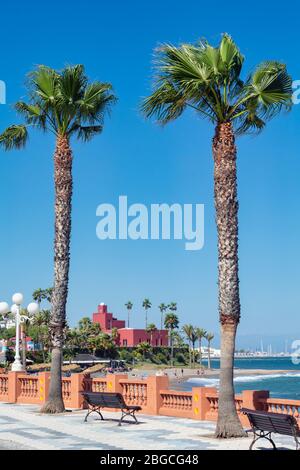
208,355
172,348
190,354
226,204
200,353
193,355
63,202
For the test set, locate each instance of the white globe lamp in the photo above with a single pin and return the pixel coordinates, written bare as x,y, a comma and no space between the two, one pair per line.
14,309
33,308
4,308
17,298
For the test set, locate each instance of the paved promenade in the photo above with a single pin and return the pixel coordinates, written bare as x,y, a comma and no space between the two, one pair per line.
23,427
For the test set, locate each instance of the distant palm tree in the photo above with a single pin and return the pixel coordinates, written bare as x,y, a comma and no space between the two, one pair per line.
208,80
38,295
114,335
48,294
144,348
178,340
39,321
67,105
42,294
171,323
162,307
200,333
93,343
74,338
172,306
151,328
146,305
209,337
84,324
129,306
188,330
194,339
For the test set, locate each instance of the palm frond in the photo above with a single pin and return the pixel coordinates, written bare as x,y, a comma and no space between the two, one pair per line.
96,100
209,79
71,84
86,133
272,86
43,85
14,137
251,123
33,114
231,57
166,103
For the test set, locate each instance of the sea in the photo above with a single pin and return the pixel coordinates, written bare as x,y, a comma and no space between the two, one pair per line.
282,384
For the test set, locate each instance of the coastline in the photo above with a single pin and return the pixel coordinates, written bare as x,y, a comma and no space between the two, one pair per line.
178,376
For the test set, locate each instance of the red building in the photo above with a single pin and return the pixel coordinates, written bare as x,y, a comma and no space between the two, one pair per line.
128,336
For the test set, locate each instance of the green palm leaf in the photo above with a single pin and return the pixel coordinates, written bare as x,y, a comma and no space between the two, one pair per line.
14,137
63,102
208,79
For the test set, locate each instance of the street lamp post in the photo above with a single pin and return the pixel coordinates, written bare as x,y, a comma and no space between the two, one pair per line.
32,309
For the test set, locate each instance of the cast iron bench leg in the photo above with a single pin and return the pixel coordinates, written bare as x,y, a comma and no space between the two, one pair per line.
128,413
92,411
262,435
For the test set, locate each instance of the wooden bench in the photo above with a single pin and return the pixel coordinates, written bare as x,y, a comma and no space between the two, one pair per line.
99,400
263,424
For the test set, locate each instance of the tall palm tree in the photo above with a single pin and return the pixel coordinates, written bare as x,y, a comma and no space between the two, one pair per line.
146,305
38,321
200,333
171,323
67,105
151,328
129,306
42,320
209,337
208,80
188,330
162,307
194,339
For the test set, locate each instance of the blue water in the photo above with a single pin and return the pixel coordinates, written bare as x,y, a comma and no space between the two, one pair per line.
284,384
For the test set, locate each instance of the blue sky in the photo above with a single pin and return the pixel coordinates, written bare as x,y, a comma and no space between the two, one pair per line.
136,158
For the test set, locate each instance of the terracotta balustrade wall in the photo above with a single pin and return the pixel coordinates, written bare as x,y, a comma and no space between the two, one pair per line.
151,394
3,387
